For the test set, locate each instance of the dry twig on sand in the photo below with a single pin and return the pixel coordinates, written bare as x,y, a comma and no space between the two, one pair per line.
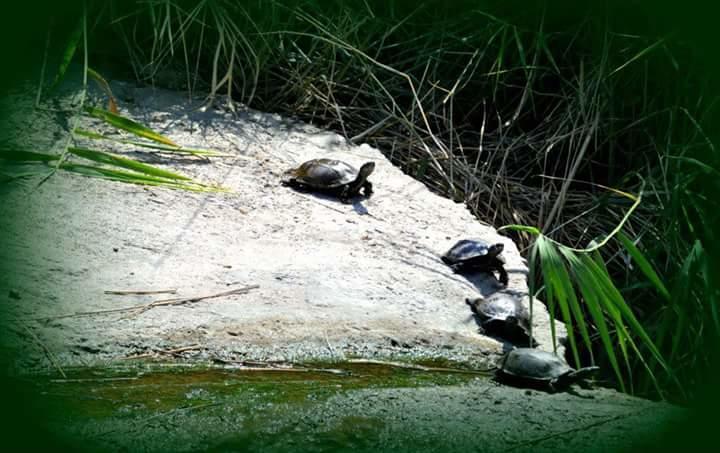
140,292
48,353
139,309
173,352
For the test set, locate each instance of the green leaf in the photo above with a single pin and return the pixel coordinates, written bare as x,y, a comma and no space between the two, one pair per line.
524,228
614,296
68,54
111,159
136,178
573,265
592,294
129,125
554,293
26,156
171,149
644,265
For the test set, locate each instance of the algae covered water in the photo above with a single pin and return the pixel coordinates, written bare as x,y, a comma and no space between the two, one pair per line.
328,407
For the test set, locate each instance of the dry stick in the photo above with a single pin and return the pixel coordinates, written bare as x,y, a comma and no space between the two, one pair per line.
411,366
289,369
49,354
280,366
140,292
177,301
185,300
572,430
163,351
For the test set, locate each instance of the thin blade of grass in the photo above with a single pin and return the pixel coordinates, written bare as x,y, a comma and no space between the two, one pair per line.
136,178
591,295
572,300
68,54
618,302
118,161
555,290
637,56
596,300
681,295
26,156
128,125
644,265
112,103
170,149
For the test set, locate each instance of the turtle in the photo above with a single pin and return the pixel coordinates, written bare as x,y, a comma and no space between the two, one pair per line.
504,316
477,255
528,367
331,176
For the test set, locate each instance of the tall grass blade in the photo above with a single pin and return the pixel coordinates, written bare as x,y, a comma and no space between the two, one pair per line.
159,147
68,53
112,103
129,125
644,265
21,156
136,178
123,162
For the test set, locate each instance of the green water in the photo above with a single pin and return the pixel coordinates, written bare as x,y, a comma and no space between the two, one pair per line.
171,408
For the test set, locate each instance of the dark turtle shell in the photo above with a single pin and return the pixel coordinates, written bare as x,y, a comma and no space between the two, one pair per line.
504,316
529,367
331,175
477,255
470,249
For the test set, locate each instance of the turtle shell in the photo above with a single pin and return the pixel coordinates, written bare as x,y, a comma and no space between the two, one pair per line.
471,249
527,367
503,315
324,173
534,365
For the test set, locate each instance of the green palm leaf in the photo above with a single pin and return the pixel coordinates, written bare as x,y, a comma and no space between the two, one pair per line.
129,125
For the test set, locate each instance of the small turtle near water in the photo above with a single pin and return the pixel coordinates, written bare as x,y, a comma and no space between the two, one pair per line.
527,367
331,176
504,316
477,255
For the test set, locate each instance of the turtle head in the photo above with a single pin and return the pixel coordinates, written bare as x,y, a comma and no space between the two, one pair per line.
288,175
366,169
361,180
496,249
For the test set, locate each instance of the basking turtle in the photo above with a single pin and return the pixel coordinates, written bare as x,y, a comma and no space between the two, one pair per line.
504,316
331,176
527,367
477,255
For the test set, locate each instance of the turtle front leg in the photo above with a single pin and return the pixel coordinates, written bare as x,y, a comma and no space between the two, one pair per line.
345,195
367,189
503,275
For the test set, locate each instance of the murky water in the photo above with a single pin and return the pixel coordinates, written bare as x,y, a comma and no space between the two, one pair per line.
157,407
322,407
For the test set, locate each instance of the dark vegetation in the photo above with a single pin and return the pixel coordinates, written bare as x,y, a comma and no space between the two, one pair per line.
588,130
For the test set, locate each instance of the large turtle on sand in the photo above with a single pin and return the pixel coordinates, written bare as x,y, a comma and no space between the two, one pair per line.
527,367
331,176
477,255
503,315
